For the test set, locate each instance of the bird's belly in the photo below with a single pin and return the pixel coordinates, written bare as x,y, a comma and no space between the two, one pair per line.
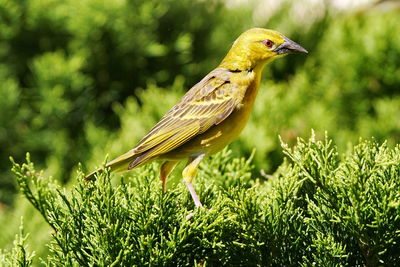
214,139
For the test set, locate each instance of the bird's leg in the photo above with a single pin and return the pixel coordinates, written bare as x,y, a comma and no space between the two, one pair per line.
189,173
165,169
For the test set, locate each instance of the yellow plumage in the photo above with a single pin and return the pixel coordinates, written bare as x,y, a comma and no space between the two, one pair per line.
213,112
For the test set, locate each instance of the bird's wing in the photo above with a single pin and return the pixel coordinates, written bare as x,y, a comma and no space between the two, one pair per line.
206,104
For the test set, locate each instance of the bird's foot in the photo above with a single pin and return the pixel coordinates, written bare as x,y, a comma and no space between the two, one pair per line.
198,206
195,197
191,214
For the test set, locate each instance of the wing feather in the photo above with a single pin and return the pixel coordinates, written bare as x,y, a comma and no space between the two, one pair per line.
206,104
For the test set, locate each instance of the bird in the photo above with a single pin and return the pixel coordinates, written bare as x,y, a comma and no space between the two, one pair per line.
212,113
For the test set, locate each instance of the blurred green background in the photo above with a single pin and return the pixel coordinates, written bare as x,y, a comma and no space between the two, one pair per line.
83,79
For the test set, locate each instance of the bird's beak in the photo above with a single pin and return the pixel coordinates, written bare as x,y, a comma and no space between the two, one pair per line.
288,47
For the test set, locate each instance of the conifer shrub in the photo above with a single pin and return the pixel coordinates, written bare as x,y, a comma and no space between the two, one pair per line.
18,255
319,208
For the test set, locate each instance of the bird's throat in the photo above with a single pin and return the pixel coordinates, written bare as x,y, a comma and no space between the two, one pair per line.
252,91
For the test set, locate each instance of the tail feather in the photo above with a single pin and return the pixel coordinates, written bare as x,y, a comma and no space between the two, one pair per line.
119,164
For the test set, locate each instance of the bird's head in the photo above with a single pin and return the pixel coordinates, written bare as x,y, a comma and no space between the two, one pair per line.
257,46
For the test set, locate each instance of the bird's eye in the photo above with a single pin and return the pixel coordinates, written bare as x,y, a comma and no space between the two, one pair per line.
268,43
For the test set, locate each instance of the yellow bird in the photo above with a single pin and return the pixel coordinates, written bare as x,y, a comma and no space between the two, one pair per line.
212,113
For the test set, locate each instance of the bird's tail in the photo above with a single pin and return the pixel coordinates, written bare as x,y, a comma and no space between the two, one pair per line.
119,164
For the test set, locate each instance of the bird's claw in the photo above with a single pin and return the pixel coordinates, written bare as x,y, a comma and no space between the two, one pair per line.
190,215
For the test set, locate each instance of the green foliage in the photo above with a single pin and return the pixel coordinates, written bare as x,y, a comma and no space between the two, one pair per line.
18,255
90,78
320,209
